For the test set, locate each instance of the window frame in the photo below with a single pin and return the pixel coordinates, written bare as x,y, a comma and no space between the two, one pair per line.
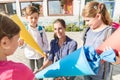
60,14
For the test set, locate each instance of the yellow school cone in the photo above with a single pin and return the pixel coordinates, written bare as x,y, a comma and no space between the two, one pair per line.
24,34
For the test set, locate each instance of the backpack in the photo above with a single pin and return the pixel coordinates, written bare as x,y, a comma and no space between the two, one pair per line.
115,25
40,28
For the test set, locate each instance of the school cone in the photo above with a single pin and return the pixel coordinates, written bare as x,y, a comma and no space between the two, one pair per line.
24,34
83,61
113,41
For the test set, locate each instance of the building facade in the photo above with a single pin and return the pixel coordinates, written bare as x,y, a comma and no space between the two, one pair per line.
69,10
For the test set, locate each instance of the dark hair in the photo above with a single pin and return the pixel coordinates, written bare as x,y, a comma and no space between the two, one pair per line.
61,21
8,27
30,10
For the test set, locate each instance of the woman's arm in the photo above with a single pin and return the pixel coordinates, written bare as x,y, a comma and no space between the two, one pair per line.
46,63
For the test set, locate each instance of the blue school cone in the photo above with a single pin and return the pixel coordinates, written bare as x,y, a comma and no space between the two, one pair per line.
83,61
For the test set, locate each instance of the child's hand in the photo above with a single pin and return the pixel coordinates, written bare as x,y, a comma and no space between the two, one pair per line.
20,42
117,59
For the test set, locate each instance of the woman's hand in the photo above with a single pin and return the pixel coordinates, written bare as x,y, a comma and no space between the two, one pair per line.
37,70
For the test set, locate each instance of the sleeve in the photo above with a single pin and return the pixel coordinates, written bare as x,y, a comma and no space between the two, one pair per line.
51,54
45,41
73,46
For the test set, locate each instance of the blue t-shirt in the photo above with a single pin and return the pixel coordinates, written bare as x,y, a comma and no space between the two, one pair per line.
57,52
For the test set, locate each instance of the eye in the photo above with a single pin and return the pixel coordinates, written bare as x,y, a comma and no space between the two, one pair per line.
36,17
54,28
31,17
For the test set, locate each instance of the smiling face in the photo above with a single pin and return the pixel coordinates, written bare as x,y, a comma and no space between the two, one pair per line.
59,30
33,19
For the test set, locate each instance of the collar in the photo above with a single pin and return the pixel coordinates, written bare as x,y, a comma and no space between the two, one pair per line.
67,39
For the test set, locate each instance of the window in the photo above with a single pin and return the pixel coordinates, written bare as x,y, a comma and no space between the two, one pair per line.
8,8
39,5
60,7
110,7
105,0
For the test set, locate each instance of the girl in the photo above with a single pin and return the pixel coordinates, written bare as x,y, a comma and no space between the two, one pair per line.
98,19
9,35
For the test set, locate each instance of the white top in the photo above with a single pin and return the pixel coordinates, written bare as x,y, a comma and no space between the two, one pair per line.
31,53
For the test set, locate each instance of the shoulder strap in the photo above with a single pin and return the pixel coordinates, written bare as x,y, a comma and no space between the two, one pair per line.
85,34
109,32
40,28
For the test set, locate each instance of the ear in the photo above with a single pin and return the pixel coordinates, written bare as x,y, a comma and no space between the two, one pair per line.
98,16
5,42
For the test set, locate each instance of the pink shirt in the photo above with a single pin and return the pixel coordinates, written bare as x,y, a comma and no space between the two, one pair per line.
10,70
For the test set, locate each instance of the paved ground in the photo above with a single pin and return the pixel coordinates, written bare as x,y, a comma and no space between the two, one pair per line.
19,55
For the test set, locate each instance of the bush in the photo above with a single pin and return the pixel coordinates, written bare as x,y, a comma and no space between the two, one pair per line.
49,28
72,27
69,28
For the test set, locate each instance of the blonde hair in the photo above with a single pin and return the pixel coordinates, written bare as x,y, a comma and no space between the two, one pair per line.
30,10
92,8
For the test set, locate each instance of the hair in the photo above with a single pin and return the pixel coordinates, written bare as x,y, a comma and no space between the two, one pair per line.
30,10
8,27
92,8
61,21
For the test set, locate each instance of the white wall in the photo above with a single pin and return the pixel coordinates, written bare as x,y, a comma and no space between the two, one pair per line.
78,6
116,15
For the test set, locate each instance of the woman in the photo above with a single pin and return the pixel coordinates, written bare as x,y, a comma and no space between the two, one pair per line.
61,45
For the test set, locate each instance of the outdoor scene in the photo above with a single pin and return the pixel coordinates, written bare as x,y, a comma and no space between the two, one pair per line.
50,10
